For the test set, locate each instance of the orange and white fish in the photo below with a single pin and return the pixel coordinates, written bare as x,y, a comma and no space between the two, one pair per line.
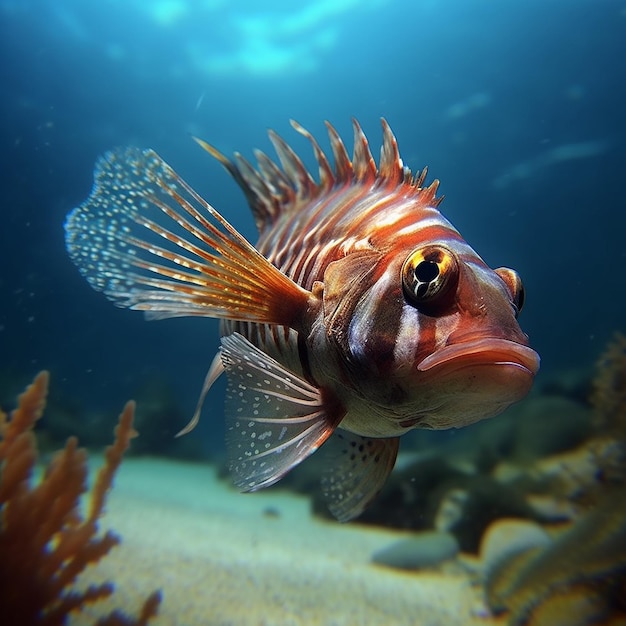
361,311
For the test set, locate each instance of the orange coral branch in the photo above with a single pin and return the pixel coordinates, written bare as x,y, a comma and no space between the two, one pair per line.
44,541
30,408
124,432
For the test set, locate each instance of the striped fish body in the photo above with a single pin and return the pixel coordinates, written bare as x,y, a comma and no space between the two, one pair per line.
360,312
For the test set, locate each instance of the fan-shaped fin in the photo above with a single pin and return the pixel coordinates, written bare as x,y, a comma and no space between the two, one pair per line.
148,241
358,468
275,419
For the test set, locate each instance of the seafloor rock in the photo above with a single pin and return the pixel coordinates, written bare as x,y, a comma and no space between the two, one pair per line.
422,550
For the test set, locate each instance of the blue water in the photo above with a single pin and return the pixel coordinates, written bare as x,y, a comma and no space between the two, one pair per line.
517,107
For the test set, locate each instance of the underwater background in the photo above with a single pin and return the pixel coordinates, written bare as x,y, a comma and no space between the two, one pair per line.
517,107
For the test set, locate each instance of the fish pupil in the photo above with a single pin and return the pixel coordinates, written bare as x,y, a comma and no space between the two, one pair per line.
426,271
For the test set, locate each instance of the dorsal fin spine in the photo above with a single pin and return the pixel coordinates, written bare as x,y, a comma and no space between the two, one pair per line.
264,206
327,179
362,161
343,165
391,168
293,166
282,191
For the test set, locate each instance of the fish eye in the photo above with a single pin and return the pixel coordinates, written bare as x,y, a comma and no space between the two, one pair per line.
514,284
428,275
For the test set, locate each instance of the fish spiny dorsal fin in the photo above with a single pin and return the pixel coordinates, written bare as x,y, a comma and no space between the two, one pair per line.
261,205
262,200
327,178
391,167
420,177
427,194
274,176
363,163
273,188
293,166
343,165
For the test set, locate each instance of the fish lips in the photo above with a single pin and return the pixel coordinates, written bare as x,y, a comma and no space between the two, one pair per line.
485,351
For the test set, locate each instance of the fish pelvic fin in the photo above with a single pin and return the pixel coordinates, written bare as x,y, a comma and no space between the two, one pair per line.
359,468
149,242
274,418
215,371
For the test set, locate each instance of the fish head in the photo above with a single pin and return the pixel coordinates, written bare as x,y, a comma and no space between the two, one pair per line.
426,335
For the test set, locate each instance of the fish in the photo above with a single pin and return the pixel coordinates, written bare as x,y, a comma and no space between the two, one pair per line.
360,314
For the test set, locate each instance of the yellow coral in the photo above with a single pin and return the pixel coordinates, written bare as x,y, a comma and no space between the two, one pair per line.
45,542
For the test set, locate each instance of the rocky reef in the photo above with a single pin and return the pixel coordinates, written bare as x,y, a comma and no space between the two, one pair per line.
576,575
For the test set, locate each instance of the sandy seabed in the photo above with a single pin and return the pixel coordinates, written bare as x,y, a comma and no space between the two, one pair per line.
224,558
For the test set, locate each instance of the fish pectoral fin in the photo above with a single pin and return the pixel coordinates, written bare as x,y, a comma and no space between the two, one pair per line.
361,467
148,241
275,419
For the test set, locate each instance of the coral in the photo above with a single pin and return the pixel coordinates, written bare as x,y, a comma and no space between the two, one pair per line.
45,539
609,388
609,413
579,579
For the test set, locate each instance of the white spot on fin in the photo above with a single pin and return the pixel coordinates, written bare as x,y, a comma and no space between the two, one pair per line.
360,468
274,418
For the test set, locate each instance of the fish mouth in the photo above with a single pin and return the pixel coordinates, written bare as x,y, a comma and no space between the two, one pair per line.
484,351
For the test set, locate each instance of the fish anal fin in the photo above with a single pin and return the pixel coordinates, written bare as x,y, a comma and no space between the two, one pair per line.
275,419
361,467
